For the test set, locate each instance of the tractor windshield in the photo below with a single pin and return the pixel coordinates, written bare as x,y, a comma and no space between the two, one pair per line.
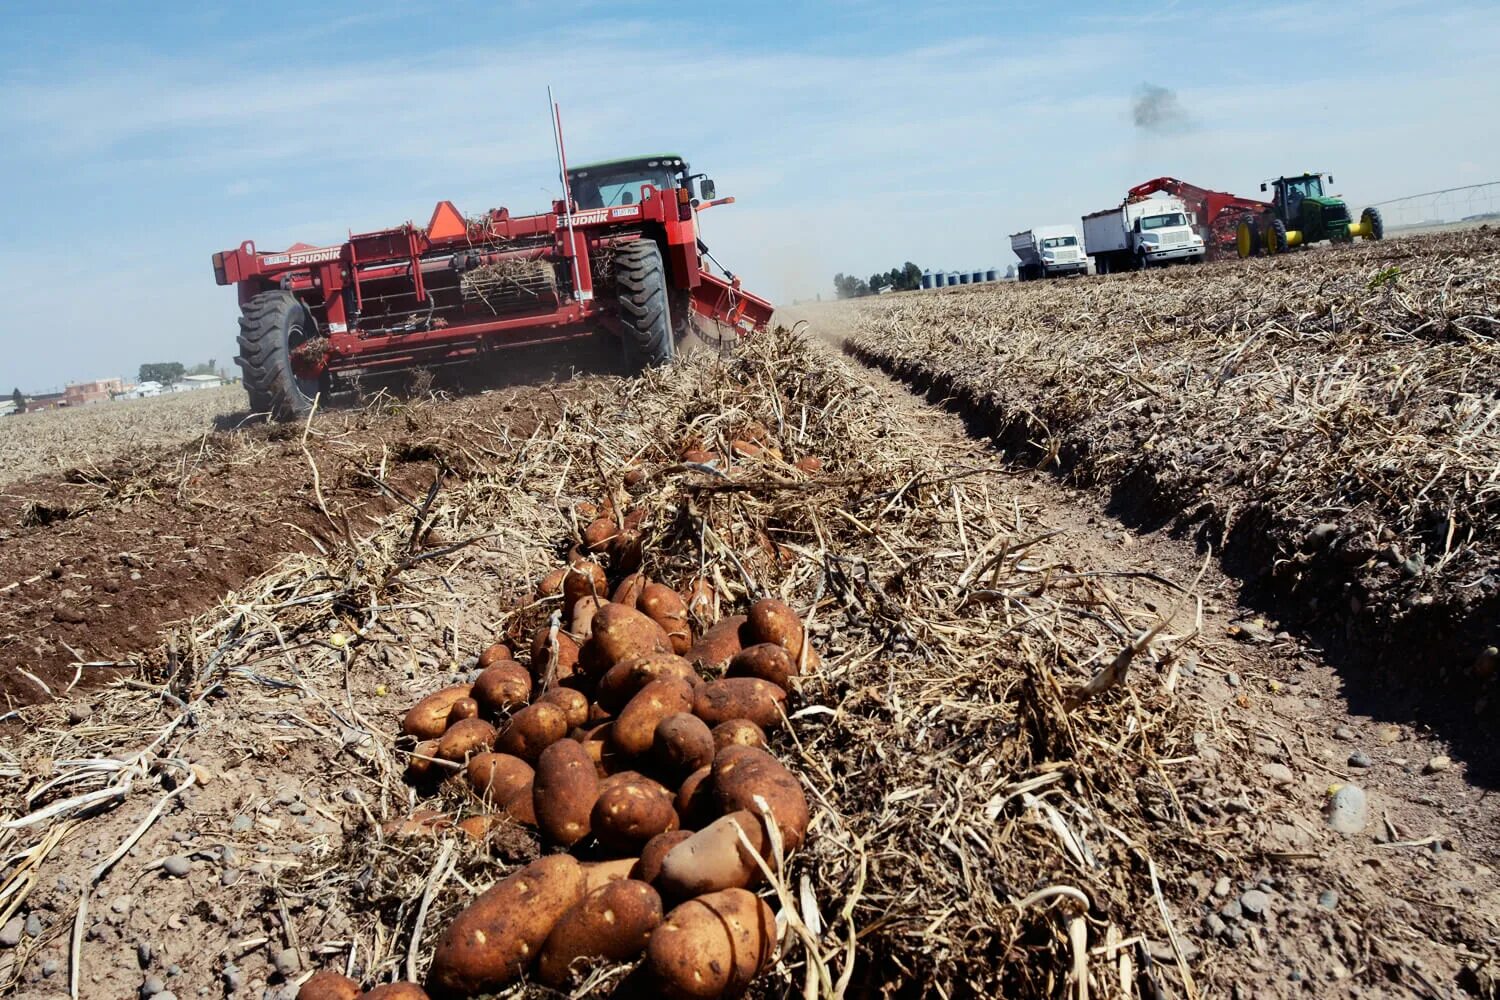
1304,187
620,188
1166,221
1053,242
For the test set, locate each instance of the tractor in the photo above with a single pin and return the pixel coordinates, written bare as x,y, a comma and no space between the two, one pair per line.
618,257
1299,215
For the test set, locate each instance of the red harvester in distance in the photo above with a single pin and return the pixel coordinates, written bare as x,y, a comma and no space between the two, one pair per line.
620,254
1218,212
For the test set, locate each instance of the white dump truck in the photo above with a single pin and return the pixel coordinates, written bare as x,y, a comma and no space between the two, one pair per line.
1142,234
1048,251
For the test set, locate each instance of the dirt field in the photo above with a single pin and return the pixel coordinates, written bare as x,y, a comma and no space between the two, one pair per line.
35,444
1047,750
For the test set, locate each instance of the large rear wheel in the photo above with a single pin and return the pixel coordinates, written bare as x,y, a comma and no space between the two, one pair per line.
1276,238
1247,238
1372,224
645,313
277,337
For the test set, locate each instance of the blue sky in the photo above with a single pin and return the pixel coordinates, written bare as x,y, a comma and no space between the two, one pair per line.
855,135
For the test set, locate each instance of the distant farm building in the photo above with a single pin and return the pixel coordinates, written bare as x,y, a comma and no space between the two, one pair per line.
46,401
143,390
97,391
190,382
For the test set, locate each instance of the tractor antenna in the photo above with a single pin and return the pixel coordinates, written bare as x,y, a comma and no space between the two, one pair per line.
555,113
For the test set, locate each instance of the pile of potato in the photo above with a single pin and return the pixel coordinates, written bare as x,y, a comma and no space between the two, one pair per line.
635,744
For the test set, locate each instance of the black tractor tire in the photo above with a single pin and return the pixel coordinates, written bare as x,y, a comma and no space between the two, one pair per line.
1371,216
271,324
645,310
1276,237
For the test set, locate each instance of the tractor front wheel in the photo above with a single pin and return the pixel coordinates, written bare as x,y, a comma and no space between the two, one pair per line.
1276,238
1247,238
1372,224
274,328
641,288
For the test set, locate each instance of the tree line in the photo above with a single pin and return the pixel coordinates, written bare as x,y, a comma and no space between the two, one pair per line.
167,372
906,278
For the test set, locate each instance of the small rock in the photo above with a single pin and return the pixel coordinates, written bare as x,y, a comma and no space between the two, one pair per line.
350,796
241,824
10,934
1221,887
230,876
69,615
152,986
287,962
296,808
121,904
174,970
1328,899
1239,805
1344,733
286,796
1360,759
1277,774
1437,764
1215,925
1348,809
1388,734
1254,902
228,855
1232,910
79,712
177,866
1232,679
296,849
166,995
50,967
34,925
233,978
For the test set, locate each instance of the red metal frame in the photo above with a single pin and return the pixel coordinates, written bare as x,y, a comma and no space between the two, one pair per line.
1218,211
389,299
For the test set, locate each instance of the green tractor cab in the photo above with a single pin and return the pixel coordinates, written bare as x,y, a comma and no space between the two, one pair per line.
1301,214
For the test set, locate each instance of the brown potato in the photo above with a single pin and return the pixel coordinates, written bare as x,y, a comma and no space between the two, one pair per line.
695,804
635,727
552,584
772,621
700,457
479,827
682,744
715,858
597,874
464,739
712,946
716,646
496,938
585,579
564,791
745,449
666,607
573,702
628,591
765,660
494,653
326,984
586,510
422,765
428,718
544,649
648,865
502,687
635,476
520,806
739,732
625,679
756,431
620,634
742,773
629,813
496,777
625,554
463,708
612,923
809,463
762,702
600,534
396,991
532,730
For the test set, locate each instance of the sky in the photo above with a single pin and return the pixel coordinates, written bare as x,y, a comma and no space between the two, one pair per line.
136,140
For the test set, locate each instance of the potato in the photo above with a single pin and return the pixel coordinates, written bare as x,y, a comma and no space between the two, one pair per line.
585,578
741,448
625,554
428,718
695,804
666,607
715,858
600,534
625,679
597,744
620,634
682,744
648,865
635,476
756,431
628,591
635,727
597,874
629,813
552,584
772,621
494,653
479,826
463,708
326,984
575,704
700,457
809,463
396,991
765,660
545,649
464,739
495,777
612,923
739,732
762,702
587,510
422,765
716,646
519,806
712,946
742,773
502,687
497,936
532,730
564,791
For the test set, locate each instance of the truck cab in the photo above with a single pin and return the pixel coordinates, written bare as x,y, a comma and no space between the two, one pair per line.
1162,231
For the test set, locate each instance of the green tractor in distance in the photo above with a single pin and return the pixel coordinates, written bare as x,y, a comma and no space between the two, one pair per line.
1300,214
